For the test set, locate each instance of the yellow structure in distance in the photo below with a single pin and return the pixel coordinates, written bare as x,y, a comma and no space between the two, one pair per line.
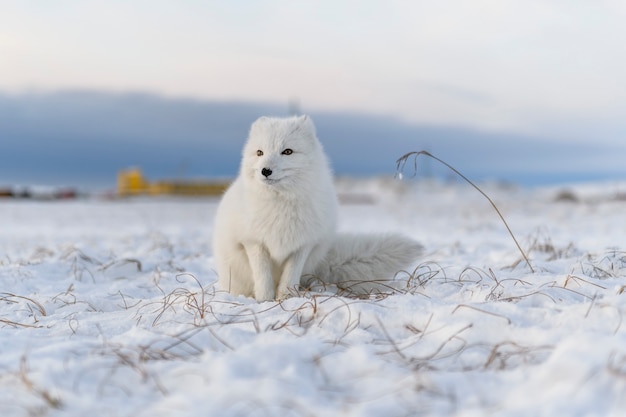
131,182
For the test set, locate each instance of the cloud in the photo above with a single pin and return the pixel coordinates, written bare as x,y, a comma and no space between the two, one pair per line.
83,138
533,67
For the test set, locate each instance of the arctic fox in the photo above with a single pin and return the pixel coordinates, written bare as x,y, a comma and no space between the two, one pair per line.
275,225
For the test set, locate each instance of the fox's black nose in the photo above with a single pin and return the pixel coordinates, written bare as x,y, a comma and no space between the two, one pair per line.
266,172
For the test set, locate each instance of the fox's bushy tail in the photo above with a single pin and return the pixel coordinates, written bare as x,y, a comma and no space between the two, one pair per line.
363,264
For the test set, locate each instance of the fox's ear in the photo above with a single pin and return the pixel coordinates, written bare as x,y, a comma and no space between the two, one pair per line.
260,120
258,124
306,122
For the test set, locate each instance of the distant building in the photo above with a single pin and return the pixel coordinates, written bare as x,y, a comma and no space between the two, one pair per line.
131,182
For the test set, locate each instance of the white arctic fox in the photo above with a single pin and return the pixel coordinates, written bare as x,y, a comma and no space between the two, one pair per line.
276,223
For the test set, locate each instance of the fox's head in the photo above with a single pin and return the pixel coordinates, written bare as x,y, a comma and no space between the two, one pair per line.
282,152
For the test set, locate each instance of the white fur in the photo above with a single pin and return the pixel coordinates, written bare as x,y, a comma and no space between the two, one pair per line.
272,230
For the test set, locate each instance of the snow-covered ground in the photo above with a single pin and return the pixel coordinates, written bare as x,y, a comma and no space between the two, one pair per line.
108,308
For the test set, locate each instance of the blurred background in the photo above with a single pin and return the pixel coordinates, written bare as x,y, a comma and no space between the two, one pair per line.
531,92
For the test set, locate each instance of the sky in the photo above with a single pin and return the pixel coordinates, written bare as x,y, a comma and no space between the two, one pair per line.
542,69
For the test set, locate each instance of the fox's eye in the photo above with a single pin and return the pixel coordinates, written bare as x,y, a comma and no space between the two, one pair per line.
287,152
259,153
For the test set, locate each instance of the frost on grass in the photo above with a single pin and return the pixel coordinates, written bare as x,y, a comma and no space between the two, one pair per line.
110,316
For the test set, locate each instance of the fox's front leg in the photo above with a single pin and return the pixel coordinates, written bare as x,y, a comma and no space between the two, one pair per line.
261,266
292,272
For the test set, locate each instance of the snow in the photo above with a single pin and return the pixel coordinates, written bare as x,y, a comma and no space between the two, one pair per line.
110,308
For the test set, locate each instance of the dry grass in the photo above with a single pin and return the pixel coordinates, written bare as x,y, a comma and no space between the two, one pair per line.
192,302
401,163
436,320
32,306
34,399
422,346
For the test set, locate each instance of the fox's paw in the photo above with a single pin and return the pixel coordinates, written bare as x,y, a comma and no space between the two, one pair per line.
264,295
284,293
